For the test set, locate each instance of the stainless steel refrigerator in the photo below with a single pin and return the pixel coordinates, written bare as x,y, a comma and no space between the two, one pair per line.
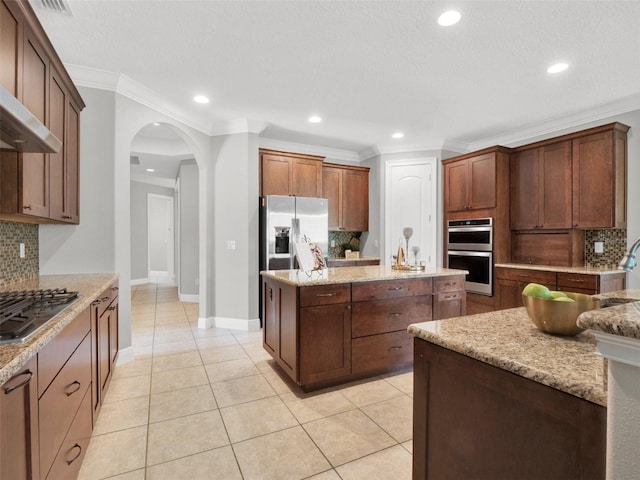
286,220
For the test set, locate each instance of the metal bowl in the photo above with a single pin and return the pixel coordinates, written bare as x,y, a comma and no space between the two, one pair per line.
559,318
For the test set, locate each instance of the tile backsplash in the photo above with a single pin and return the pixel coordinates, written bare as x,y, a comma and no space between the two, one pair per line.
614,243
340,238
14,269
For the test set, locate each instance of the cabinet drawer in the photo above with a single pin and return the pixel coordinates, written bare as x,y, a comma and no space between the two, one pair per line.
105,299
55,354
377,352
69,459
530,276
381,316
567,281
391,289
448,284
325,294
59,404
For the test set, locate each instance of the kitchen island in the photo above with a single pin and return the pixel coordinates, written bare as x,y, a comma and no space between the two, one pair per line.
334,325
496,398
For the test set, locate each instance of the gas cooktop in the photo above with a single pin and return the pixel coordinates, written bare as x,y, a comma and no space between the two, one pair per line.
23,313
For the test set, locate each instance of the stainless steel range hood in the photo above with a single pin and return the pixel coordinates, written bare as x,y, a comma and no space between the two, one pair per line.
21,130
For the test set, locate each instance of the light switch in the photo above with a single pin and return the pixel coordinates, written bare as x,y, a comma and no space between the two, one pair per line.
231,244
22,252
598,247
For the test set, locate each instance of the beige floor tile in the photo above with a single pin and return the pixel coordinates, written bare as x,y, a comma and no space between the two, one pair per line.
218,372
114,453
395,416
179,403
176,319
244,337
178,379
134,475
121,415
368,392
134,368
269,457
280,382
256,352
176,361
328,475
241,390
174,347
402,381
216,341
145,351
142,340
222,354
408,446
260,417
310,407
170,335
347,436
394,462
180,437
218,464
130,387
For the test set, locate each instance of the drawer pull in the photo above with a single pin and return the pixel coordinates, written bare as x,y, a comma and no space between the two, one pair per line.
95,303
395,314
75,382
396,347
451,296
450,284
79,447
576,280
105,299
112,308
29,375
325,294
394,288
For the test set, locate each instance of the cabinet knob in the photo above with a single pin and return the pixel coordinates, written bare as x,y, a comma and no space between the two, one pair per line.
27,207
575,225
66,217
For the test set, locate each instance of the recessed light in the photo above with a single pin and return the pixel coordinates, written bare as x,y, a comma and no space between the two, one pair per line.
397,135
315,119
200,99
155,124
449,18
557,68
151,169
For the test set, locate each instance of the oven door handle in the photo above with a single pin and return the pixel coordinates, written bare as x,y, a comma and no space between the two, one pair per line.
470,253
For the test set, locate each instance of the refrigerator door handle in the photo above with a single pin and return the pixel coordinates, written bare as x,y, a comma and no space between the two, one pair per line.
294,238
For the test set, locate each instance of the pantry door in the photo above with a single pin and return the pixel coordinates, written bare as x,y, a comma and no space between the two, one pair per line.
411,201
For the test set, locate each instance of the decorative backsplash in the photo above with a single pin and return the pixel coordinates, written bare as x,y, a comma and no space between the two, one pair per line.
340,239
614,243
14,269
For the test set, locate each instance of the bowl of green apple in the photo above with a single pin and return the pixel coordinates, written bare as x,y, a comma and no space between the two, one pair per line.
556,312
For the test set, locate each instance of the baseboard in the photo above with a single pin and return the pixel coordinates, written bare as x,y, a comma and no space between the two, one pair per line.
125,355
189,297
230,323
139,281
208,322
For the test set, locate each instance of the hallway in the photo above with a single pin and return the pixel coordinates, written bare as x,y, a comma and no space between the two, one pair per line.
211,404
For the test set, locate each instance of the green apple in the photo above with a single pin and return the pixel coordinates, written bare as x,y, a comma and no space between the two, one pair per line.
563,299
536,290
555,294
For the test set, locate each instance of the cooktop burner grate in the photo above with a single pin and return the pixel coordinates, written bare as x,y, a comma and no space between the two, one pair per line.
22,313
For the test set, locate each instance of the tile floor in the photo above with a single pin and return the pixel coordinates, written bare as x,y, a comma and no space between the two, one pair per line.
211,404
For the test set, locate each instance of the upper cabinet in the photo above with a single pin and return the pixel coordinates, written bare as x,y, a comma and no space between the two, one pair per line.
38,187
284,173
347,189
541,187
574,181
470,183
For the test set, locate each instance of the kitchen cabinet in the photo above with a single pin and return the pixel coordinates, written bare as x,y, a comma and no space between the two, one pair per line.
362,262
347,189
284,173
470,183
19,456
509,283
38,187
326,334
541,187
560,248
499,425
599,178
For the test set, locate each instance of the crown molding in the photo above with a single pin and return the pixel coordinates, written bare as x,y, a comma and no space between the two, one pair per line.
159,182
238,125
333,153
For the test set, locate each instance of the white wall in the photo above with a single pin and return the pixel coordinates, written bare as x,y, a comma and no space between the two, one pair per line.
189,241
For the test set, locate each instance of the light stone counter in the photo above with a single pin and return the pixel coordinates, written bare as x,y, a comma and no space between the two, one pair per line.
371,273
550,268
507,339
622,320
13,356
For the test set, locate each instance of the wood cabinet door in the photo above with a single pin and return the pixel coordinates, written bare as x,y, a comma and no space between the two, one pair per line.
482,184
113,334
275,174
448,305
104,338
10,45
270,317
508,293
555,189
332,191
524,170
593,181
325,343
306,177
355,200
456,186
19,455
72,164
57,121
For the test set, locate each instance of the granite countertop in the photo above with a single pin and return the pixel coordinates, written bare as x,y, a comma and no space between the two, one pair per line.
551,268
359,259
13,356
369,273
507,339
622,320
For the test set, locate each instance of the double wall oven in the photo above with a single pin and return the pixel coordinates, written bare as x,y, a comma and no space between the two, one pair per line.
470,247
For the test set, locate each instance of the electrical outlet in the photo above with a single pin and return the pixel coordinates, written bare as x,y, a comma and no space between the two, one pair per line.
22,252
231,244
598,247
333,244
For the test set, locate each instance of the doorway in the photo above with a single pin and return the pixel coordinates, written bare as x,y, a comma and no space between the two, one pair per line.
160,238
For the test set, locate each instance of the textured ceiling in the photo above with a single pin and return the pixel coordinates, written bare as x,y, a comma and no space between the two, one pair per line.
369,68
